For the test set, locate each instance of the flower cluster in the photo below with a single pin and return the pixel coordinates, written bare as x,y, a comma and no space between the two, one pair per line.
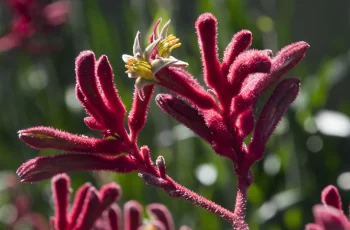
94,209
222,115
32,23
330,215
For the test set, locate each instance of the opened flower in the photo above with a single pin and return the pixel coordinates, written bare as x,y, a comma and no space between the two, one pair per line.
143,65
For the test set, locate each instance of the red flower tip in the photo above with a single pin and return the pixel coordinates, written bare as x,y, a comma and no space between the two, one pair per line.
60,189
105,75
240,42
110,193
132,215
160,162
330,197
284,94
329,218
90,208
288,57
206,26
185,114
77,206
161,213
114,217
50,138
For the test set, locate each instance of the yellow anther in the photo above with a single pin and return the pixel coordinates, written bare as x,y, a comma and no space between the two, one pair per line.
140,67
167,45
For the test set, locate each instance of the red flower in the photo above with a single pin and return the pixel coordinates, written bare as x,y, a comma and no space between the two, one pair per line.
330,215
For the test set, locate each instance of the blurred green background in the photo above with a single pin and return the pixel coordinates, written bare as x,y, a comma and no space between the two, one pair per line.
309,150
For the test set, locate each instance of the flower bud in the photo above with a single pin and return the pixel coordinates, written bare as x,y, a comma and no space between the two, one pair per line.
160,162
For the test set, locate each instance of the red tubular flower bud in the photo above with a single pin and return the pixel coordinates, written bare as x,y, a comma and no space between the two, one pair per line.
330,218
78,204
138,113
89,85
60,188
206,26
240,42
114,217
109,194
160,162
161,213
41,168
185,114
104,73
91,206
50,138
330,197
246,63
85,74
146,154
132,215
284,94
181,82
286,59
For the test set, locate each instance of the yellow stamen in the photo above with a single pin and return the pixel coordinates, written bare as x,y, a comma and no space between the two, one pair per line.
167,45
140,67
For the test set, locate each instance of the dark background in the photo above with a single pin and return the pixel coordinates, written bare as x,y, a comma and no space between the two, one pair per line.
302,157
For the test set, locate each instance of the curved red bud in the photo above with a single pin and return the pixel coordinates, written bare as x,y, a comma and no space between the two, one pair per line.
105,74
284,94
206,26
50,138
240,42
77,206
185,114
114,217
330,197
109,194
132,215
91,207
60,188
161,213
286,59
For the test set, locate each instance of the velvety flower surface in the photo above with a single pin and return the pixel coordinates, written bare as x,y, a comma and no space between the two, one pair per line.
221,112
330,215
97,210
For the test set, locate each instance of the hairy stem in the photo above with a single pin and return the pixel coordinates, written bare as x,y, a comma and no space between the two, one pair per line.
241,204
